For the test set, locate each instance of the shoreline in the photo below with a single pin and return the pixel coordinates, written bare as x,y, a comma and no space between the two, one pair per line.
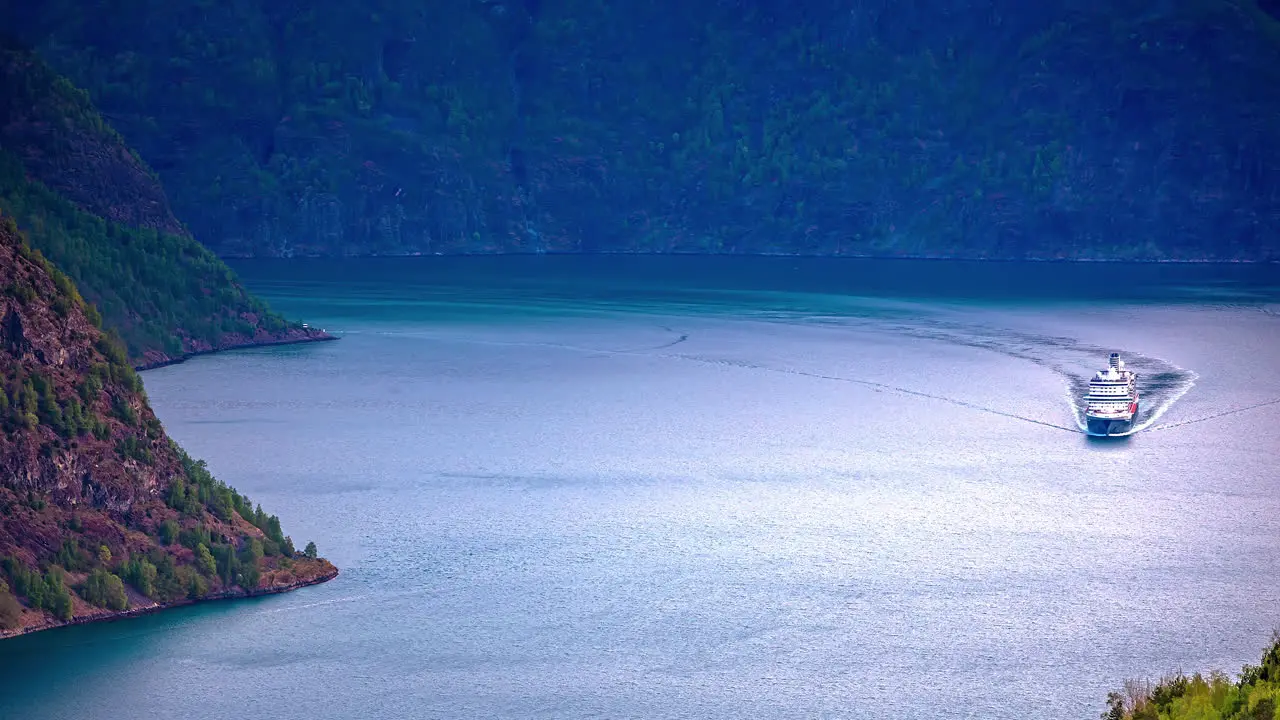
113,615
1083,260
297,339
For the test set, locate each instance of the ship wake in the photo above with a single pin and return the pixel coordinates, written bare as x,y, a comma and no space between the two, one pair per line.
1161,382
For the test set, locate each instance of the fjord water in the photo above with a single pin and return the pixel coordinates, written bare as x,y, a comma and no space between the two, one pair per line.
717,487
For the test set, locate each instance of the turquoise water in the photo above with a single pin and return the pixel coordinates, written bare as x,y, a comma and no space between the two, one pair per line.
716,487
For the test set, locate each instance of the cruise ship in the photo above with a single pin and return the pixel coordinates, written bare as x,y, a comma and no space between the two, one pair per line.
1112,402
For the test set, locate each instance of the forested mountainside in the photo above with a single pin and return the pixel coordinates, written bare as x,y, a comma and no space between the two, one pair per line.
977,128
94,208
100,512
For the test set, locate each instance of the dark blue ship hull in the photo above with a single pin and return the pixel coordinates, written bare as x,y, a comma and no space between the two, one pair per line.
1099,426
1109,427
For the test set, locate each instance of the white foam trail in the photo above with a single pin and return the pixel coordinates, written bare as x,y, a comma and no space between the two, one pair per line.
292,608
651,352
1075,410
381,597
1217,415
1175,397
1160,410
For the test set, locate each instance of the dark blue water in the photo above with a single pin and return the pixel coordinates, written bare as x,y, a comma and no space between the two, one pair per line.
716,487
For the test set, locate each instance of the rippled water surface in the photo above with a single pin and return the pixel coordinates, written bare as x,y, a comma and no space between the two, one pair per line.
723,488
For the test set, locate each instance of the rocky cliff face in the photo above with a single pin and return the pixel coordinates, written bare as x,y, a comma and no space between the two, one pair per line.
91,488
51,349
982,128
93,207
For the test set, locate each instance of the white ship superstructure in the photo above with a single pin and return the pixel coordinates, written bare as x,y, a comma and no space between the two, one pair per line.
1112,402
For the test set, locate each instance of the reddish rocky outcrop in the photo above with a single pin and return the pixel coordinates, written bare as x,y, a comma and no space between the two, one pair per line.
90,482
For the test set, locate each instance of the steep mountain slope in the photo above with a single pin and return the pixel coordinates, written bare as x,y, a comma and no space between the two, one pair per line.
100,512
988,128
93,207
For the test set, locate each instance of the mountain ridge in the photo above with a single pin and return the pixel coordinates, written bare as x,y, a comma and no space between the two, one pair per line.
963,128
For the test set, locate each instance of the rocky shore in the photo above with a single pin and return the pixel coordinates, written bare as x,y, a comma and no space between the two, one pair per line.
292,336
306,572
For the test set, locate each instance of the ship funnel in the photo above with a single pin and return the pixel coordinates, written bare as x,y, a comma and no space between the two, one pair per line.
1115,360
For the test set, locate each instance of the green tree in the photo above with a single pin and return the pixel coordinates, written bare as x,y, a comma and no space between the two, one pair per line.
57,598
249,576
204,560
104,589
142,575
168,532
10,610
310,550
198,587
71,557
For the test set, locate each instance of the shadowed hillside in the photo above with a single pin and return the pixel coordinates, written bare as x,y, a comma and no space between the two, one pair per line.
981,128
93,207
